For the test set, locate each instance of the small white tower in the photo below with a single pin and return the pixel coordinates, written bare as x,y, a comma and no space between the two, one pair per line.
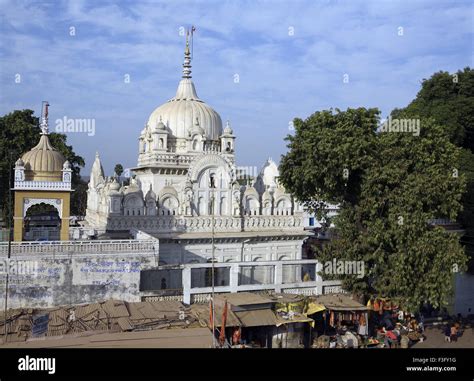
228,139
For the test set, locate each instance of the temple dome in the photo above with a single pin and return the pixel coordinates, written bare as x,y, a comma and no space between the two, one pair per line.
43,162
180,112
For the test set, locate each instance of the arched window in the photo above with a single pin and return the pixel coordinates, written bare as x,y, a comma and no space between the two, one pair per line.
169,206
283,207
252,206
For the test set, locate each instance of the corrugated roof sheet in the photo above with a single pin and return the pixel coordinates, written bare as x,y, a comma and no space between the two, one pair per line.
115,308
339,302
124,324
256,318
113,316
201,312
242,299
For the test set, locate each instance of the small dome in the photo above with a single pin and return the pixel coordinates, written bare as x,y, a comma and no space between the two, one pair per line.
66,165
19,163
279,193
266,195
150,195
43,162
168,190
228,130
160,127
133,188
251,191
115,186
197,129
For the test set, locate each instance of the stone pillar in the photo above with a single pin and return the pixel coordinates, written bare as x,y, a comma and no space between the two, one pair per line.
64,233
319,279
18,218
234,277
18,229
278,276
186,285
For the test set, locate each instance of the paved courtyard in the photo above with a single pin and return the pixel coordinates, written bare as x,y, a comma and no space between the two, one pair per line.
435,338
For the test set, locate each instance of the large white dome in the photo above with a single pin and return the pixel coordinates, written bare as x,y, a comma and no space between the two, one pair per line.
179,113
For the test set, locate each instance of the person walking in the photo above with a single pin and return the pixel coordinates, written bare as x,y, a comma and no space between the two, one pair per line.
447,333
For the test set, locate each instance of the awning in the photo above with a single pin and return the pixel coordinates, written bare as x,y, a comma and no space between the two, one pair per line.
297,318
313,308
300,307
256,318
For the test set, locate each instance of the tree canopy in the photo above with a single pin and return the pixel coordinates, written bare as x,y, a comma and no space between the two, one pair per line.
449,100
388,185
118,169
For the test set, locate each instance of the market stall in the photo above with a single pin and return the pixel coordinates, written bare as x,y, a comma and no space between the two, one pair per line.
343,323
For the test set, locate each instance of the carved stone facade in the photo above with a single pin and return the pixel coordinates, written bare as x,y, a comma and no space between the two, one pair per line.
186,180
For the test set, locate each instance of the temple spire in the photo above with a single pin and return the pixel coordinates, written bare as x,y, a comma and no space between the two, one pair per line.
187,59
44,118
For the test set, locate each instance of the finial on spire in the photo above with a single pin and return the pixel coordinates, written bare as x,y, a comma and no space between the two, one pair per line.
187,55
44,118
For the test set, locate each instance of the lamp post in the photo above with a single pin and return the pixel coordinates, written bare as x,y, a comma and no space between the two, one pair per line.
9,244
213,323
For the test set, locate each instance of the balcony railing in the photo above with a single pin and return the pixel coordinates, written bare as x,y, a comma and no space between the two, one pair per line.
80,247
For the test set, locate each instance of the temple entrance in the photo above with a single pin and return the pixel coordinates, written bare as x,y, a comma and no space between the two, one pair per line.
42,223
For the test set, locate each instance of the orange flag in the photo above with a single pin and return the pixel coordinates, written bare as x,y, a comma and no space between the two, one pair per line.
224,320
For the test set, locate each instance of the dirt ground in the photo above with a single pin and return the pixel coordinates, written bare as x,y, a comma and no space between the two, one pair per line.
435,338
166,338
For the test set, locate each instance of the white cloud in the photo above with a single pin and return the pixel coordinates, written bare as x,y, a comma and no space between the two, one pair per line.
281,76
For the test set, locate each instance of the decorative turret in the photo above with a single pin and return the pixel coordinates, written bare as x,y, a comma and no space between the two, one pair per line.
19,170
160,137
228,139
97,172
43,162
197,136
42,176
67,172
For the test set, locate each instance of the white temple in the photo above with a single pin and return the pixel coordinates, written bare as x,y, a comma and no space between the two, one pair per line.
187,182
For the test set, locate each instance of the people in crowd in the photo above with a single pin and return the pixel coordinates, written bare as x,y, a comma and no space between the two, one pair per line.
447,333
454,333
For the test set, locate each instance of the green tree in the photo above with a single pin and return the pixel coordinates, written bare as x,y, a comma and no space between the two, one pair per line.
449,99
388,186
19,132
118,169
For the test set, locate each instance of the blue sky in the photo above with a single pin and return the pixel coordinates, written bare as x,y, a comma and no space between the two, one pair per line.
290,56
